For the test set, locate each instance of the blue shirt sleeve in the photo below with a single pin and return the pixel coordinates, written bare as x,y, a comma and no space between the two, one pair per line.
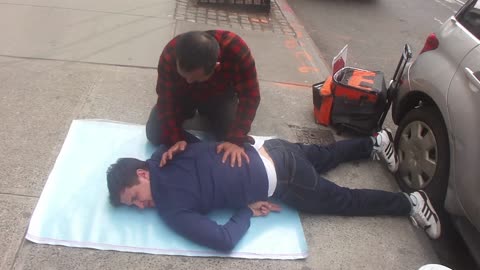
204,231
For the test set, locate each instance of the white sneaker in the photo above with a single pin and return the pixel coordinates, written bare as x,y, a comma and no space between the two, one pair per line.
423,214
383,148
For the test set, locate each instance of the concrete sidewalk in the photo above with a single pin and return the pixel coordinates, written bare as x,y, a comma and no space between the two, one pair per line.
65,60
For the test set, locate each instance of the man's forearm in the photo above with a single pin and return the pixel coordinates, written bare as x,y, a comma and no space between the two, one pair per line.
246,111
202,230
169,125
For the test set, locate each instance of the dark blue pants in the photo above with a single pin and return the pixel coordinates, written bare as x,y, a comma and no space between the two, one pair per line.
300,185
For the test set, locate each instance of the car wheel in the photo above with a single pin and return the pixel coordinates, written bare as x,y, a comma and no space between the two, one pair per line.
422,145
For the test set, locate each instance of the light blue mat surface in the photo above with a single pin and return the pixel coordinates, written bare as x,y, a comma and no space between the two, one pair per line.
74,210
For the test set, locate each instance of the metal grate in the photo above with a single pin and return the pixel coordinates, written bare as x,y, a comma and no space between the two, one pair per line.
258,5
226,16
312,135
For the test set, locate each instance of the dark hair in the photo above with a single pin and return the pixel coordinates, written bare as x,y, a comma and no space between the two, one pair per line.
197,49
121,175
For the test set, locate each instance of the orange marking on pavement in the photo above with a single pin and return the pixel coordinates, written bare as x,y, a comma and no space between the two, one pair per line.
296,86
307,69
303,55
306,59
286,8
291,44
263,20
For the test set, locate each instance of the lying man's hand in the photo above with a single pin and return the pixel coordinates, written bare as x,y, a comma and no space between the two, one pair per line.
177,147
263,208
234,152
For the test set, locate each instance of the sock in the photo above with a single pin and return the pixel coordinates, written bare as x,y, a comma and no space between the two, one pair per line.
374,140
410,199
375,146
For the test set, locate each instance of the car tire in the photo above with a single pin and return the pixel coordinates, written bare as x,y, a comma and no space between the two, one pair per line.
425,157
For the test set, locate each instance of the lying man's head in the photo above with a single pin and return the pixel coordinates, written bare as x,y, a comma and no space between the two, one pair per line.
128,183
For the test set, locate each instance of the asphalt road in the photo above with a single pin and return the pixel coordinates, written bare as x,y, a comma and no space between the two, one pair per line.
376,31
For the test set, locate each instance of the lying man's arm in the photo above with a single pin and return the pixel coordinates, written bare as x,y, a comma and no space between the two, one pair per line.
204,231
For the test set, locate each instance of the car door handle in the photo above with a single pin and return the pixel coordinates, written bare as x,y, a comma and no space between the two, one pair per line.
473,78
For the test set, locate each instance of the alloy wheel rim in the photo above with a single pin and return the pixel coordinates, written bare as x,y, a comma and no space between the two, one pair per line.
418,154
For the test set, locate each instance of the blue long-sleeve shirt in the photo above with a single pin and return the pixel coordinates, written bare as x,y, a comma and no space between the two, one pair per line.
196,181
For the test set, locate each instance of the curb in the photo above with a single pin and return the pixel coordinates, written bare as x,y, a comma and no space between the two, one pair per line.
309,52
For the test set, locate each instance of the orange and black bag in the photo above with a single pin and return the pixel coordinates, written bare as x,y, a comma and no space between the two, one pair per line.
323,101
352,99
359,99
356,99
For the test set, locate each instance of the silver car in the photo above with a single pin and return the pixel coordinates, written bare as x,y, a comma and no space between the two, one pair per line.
437,110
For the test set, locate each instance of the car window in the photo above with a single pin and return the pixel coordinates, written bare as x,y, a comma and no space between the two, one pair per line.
470,19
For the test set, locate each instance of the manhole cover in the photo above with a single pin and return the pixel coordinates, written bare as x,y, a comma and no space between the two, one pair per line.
313,135
233,17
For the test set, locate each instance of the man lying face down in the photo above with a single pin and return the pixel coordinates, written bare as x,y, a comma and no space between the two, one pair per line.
197,180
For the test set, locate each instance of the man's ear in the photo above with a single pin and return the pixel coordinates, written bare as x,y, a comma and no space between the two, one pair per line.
177,66
143,174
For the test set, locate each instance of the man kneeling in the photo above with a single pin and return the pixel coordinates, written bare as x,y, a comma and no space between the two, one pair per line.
197,181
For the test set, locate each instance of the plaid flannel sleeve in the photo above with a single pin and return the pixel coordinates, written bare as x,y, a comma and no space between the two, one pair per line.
168,110
248,91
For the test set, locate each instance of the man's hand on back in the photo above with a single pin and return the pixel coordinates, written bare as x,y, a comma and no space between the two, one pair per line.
263,208
177,147
234,152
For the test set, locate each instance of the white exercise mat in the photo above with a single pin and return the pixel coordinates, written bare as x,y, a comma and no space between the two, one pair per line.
74,210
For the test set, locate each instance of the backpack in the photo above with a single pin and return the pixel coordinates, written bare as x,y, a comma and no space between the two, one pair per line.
356,99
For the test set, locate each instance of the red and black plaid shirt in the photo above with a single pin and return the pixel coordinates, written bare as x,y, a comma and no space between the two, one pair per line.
237,69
